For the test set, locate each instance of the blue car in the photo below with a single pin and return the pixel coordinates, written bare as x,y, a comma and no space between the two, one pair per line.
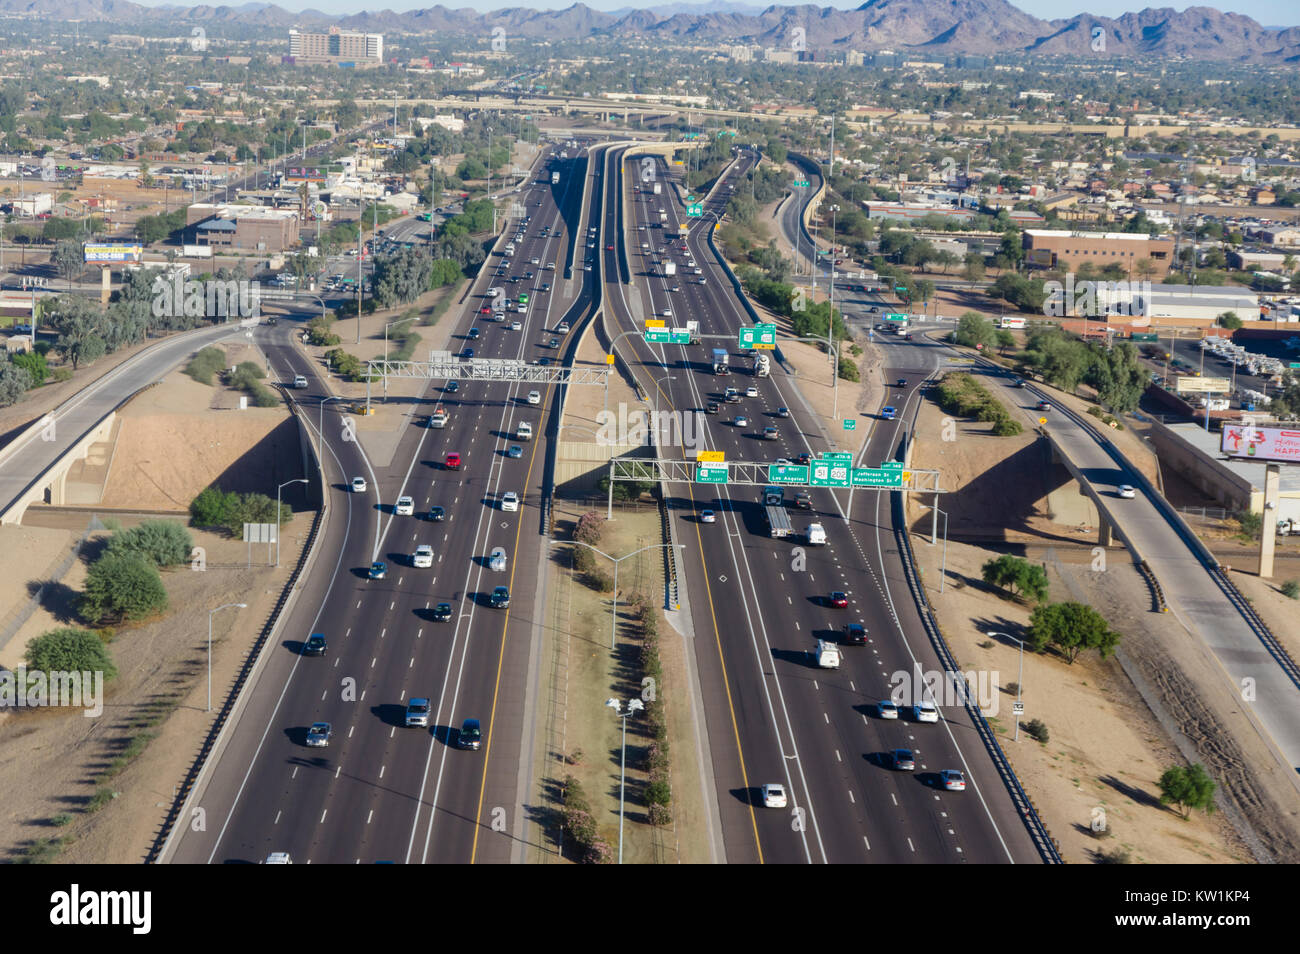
515,452
888,413
378,570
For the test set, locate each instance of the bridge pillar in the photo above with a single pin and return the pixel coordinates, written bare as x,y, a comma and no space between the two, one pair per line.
1104,532
1268,532
58,488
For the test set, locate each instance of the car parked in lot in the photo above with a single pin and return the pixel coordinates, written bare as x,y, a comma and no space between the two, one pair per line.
319,734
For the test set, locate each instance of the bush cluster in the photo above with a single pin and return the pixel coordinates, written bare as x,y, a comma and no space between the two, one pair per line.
579,825
206,364
654,760
961,394
229,511
161,542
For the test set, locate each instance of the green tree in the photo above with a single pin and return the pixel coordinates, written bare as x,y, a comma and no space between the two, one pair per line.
69,650
68,259
1017,575
1229,320
122,586
14,382
1188,788
162,542
974,329
34,363
1071,628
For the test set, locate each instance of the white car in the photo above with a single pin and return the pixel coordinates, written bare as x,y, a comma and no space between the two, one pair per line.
359,485
510,501
497,560
423,557
886,709
515,325
405,506
953,781
751,391
925,712
774,795
1126,491
534,397
708,516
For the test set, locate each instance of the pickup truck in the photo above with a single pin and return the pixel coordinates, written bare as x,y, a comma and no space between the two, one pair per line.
438,418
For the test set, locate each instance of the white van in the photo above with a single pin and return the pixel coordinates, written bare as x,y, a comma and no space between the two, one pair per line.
816,534
525,432
828,655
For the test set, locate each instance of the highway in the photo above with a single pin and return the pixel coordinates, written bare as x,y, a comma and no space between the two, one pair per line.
380,791
759,605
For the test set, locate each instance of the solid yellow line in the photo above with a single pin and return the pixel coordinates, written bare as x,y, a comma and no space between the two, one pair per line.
501,654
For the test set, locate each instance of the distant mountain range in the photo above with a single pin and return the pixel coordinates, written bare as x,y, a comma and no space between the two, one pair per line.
913,27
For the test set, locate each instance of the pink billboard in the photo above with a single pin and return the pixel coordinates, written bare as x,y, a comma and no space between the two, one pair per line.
1261,443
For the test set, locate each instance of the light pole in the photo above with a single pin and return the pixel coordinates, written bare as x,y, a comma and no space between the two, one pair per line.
321,426
211,613
830,316
395,321
943,568
1019,679
297,480
613,622
666,377
633,706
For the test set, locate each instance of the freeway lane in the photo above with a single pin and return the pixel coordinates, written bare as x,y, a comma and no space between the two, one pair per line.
811,729
380,791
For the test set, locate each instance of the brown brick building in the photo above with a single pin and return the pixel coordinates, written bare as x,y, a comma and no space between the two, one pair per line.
1047,248
249,228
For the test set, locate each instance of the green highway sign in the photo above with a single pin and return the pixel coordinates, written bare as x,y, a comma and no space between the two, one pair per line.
801,183
1294,365
836,456
711,473
895,316
868,477
694,208
788,474
892,465
760,336
667,336
850,424
830,473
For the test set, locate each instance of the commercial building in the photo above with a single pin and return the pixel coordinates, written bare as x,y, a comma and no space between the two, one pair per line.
242,227
1048,248
341,47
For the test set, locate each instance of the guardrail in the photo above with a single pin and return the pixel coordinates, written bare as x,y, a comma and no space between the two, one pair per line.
231,702
1157,591
1047,847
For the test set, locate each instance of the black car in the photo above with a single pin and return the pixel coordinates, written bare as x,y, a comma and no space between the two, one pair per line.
803,500
471,735
855,634
500,598
452,387
467,354
902,383
315,645
473,334
437,514
442,612
711,407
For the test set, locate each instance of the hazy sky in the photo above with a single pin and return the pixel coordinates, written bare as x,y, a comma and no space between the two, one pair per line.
1267,12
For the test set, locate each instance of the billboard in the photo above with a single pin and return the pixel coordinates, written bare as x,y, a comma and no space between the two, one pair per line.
1191,385
1041,257
102,253
1261,443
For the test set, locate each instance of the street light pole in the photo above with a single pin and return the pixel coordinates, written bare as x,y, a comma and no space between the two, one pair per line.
633,705
298,480
211,613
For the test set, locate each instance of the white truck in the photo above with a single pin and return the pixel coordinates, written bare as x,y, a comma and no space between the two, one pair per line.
670,269
828,654
658,188
762,365
525,432
438,418
720,358
555,178
816,534
693,328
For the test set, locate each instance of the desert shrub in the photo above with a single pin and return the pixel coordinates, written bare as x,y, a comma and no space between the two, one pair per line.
162,542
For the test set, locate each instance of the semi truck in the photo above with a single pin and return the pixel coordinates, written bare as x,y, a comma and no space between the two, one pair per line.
720,361
555,178
670,269
693,328
778,522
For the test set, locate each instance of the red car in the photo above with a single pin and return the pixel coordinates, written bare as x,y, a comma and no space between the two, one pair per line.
485,310
609,248
839,600
453,461
804,459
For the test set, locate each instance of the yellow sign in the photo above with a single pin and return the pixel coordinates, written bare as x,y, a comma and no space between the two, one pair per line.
1191,385
907,476
1042,420
609,359
654,323
711,457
